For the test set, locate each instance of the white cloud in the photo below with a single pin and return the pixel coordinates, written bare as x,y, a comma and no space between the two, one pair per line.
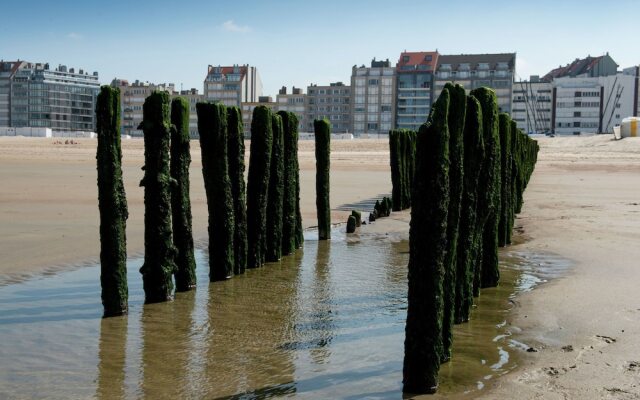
231,26
74,36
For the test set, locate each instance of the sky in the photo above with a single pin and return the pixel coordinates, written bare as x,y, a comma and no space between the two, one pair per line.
302,42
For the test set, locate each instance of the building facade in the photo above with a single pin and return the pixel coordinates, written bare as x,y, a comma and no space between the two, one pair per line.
414,92
133,95
293,102
373,92
532,105
591,104
34,95
233,85
472,71
332,102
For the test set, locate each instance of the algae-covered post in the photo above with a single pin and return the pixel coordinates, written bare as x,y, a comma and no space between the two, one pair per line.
358,216
396,178
322,129
467,232
427,233
212,127
185,274
505,178
290,174
258,185
488,214
456,118
235,154
276,192
351,224
112,203
159,265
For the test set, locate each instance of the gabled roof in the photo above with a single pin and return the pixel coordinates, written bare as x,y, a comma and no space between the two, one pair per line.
413,59
474,59
578,67
227,70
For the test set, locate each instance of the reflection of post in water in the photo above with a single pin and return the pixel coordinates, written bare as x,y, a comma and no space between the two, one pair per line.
322,319
250,333
165,329
112,351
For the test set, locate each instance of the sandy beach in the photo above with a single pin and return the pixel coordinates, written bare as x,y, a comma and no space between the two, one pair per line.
582,204
49,206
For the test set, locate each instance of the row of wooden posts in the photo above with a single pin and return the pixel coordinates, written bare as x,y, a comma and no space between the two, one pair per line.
244,231
472,165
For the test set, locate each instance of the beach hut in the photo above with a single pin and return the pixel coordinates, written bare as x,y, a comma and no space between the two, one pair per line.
630,127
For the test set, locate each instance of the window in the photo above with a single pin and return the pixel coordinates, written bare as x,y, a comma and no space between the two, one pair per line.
373,81
359,99
373,99
360,81
372,126
372,108
373,90
405,58
428,57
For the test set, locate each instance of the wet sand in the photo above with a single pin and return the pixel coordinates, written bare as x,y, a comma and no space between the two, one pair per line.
49,207
581,204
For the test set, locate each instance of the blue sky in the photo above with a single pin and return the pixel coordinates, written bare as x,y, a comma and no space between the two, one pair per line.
303,42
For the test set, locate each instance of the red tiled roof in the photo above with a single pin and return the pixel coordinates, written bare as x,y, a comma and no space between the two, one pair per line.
418,58
578,67
228,70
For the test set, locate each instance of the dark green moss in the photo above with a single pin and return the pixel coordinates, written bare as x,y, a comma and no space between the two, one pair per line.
235,154
276,192
185,275
396,171
358,216
112,203
505,177
258,185
289,215
322,129
467,231
456,121
212,127
428,233
488,214
351,224
159,253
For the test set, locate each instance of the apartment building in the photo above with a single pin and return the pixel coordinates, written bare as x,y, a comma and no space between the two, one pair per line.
34,95
133,95
373,98
292,102
592,104
414,89
588,67
472,71
635,72
332,102
532,105
232,85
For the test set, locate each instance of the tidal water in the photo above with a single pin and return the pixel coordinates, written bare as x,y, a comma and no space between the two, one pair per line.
327,322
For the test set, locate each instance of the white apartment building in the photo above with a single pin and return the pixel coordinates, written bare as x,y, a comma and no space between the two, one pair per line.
332,102
373,98
232,85
592,104
247,112
532,105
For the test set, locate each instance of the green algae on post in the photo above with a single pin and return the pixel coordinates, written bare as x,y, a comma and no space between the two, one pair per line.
322,129
185,275
258,185
427,240
159,265
235,155
112,203
456,120
276,193
212,127
467,231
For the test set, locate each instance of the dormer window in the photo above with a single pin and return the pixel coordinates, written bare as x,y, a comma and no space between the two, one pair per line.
428,57
405,58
